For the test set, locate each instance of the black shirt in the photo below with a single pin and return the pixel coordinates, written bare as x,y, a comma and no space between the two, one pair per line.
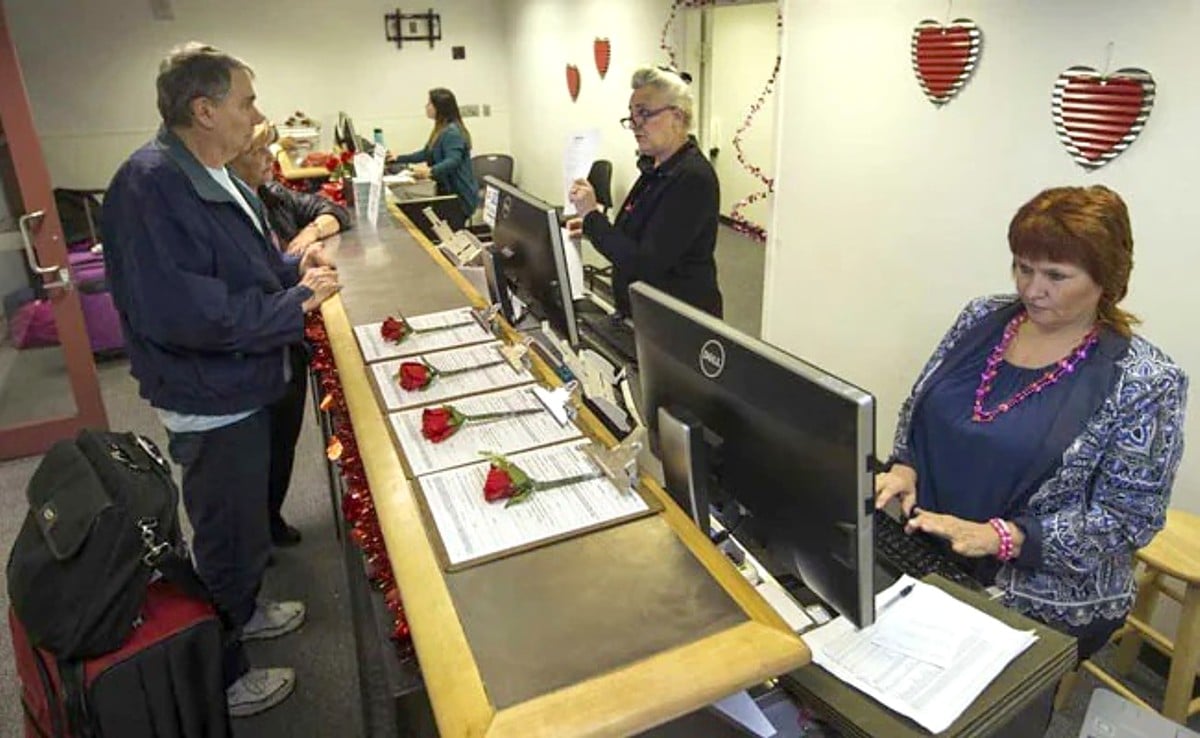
289,211
666,232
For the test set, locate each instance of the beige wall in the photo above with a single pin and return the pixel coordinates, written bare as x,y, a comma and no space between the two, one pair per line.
890,213
745,42
90,66
546,35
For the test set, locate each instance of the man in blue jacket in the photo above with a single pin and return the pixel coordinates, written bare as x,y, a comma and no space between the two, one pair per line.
209,309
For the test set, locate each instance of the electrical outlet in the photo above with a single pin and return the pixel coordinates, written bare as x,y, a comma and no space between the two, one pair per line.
162,10
469,111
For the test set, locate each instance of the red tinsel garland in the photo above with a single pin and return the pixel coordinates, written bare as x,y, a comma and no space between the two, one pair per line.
740,223
358,508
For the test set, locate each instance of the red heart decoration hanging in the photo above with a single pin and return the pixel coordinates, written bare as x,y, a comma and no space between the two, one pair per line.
1098,116
943,57
573,80
602,50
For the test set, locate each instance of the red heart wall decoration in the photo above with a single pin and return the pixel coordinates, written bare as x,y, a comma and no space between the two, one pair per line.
602,50
943,57
573,80
1098,116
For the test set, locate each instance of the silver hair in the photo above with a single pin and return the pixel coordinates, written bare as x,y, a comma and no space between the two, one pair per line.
670,84
190,71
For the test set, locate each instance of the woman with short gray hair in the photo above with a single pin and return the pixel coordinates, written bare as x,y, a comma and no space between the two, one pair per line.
665,233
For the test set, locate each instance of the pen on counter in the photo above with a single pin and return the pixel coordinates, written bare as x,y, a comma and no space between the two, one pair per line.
895,598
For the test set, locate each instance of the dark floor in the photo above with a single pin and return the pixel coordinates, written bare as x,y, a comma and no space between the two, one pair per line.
326,701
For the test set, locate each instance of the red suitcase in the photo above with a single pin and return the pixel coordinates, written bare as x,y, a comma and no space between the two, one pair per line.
164,682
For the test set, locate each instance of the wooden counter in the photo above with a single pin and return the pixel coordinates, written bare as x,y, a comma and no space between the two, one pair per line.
607,633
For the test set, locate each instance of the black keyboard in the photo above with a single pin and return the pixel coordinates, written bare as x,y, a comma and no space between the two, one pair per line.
614,335
901,553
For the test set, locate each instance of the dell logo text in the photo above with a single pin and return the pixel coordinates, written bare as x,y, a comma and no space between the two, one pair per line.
712,359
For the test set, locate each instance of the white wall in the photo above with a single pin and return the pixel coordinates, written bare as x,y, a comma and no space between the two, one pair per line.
891,213
89,68
546,35
745,42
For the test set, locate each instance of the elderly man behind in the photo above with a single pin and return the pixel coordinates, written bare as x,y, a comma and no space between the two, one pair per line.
298,221
209,309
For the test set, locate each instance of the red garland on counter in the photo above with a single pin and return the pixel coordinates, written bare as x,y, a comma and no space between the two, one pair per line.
740,223
358,509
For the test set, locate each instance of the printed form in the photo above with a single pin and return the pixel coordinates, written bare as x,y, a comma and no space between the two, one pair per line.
928,655
493,372
374,348
502,436
471,528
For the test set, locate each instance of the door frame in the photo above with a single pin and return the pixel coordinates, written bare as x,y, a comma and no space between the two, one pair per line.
36,194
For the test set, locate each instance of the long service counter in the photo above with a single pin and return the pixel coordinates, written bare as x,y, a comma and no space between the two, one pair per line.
610,632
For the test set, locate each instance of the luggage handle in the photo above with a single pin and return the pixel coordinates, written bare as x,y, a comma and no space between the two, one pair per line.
64,274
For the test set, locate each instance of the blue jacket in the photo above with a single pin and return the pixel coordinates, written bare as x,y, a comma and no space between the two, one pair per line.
207,304
450,166
1098,490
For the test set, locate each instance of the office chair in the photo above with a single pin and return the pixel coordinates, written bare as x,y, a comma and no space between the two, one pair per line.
599,279
499,166
600,178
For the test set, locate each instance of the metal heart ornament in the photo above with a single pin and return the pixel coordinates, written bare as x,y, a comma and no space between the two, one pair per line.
573,81
943,57
1098,116
602,51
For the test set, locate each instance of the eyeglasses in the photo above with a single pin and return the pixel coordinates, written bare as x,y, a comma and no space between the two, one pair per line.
637,120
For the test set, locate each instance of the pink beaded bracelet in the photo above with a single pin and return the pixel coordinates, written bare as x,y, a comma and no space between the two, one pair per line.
1006,540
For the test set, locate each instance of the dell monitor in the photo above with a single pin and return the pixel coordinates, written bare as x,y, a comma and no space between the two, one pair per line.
528,252
735,420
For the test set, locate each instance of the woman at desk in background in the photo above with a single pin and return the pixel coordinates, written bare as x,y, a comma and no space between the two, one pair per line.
666,230
1042,438
446,156
297,220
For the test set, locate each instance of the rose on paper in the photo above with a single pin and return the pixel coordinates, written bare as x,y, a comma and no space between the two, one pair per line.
509,482
439,423
415,375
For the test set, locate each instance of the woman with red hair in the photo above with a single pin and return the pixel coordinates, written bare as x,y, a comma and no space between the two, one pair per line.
1041,440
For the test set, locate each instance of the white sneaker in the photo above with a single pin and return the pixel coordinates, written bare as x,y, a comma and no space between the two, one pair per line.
272,619
258,690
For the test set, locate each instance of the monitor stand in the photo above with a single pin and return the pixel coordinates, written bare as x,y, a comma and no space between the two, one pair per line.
685,462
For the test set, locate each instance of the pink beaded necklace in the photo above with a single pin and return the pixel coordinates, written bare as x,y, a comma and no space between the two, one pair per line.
1063,366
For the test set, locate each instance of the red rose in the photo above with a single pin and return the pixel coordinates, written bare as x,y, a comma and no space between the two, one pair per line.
347,157
439,423
499,485
393,330
415,375
332,163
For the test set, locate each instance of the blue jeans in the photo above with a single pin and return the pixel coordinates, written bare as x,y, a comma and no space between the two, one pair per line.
225,477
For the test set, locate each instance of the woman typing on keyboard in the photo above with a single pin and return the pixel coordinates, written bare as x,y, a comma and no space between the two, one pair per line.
1042,438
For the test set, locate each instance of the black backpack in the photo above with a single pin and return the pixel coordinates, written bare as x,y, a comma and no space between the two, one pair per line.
102,520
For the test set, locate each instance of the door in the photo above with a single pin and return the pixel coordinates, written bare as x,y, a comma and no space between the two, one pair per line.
48,387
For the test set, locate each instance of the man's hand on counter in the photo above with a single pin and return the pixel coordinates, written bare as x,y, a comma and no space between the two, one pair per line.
324,284
315,255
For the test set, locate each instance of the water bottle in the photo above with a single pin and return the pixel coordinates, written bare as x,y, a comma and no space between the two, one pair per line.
379,138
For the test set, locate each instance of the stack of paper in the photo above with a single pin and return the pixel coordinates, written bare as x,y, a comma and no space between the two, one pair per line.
471,528
374,348
493,373
504,436
928,656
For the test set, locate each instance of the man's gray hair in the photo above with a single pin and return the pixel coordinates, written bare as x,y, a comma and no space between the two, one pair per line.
190,71
671,85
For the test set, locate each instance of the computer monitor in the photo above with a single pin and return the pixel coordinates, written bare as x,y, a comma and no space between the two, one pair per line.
528,250
447,208
735,420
